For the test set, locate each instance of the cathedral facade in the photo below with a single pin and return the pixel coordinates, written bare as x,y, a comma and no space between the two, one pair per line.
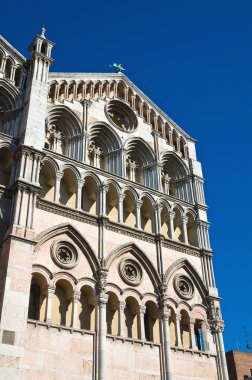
105,259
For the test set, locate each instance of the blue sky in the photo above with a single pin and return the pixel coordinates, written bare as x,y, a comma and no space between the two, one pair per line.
193,59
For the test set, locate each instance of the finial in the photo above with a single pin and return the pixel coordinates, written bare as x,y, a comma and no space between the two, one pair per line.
43,29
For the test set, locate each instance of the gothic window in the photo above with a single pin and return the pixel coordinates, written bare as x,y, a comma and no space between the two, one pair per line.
175,179
105,149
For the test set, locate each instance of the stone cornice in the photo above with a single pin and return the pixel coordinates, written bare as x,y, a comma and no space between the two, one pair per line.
18,56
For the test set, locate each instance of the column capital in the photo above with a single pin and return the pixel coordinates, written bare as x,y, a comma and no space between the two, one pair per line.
178,317
103,299
51,289
80,182
171,214
121,196
184,219
121,305
59,175
104,187
192,321
139,203
142,309
76,296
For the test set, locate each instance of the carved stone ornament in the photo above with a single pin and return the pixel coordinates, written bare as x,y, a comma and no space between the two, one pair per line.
183,287
64,254
121,115
131,272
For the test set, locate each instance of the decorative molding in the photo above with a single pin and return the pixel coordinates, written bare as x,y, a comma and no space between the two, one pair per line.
65,211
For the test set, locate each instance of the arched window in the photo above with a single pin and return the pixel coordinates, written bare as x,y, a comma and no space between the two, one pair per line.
129,209
192,230
47,181
105,149
131,318
185,329
89,196
140,163
112,316
112,203
151,322
62,305
63,132
164,222
172,327
37,300
198,335
146,215
68,189
175,179
87,308
177,221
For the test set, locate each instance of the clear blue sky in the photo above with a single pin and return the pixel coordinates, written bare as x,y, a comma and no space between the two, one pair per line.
193,59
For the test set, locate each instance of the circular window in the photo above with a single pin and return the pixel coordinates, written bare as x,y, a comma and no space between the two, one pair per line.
121,115
131,272
64,254
183,287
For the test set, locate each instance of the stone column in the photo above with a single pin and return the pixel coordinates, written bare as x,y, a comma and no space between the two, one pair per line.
80,184
142,311
121,319
75,315
166,343
120,206
221,351
59,175
102,199
171,216
157,212
102,332
138,213
192,335
178,332
50,293
184,221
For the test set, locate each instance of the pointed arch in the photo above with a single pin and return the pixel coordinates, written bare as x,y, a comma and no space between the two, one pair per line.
75,235
191,271
137,146
139,255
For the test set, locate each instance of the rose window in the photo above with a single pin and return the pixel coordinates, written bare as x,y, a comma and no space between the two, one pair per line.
121,115
131,272
64,254
183,287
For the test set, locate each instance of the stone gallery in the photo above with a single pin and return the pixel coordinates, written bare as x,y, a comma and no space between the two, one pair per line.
105,260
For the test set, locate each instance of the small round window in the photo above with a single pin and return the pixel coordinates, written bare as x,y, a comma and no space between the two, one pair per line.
121,115
64,254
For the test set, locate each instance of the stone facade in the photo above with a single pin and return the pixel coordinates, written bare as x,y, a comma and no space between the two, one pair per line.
106,263
239,365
